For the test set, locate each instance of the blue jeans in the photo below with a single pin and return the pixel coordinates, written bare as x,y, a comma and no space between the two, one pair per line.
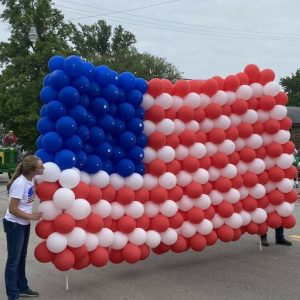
17,237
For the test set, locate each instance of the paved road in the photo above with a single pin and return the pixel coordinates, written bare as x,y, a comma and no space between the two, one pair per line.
224,271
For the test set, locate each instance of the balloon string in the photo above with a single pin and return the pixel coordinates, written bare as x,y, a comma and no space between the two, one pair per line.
67,282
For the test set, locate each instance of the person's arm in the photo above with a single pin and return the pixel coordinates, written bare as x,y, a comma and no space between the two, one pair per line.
14,210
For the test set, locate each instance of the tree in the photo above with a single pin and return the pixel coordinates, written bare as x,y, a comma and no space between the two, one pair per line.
291,86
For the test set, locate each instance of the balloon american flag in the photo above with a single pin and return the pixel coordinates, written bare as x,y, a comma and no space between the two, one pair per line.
135,167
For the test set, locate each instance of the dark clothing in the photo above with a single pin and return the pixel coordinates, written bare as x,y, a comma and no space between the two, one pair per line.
278,234
17,237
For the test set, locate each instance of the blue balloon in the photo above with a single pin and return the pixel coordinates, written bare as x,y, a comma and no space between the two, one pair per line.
135,125
114,79
39,142
96,136
109,138
84,100
93,164
43,111
107,166
135,98
95,90
103,150
59,79
44,155
125,111
73,66
126,81
99,106
91,120
112,109
141,85
45,125
142,140
65,159
46,80
119,126
110,92
73,143
66,126
121,98
47,94
52,141
82,84
88,70
55,110
136,154
140,169
125,167
127,140
83,132
81,159
103,75
69,96
56,62
107,123
79,114
140,113
87,148
117,154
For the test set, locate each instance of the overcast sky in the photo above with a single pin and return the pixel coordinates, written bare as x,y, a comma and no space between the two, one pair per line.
202,38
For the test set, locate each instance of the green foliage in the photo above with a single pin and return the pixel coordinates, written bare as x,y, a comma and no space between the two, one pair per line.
291,86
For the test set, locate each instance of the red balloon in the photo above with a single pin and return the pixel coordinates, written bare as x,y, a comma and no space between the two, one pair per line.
291,172
258,127
145,251
205,162
252,228
157,167
211,238
225,233
44,228
245,130
288,222
225,209
187,137
282,98
190,164
107,222
253,72
243,77
209,213
266,102
207,188
181,88
237,234
160,223
142,195
109,193
213,110
42,254
237,181
274,220
262,228
175,193
220,82
201,137
231,83
131,253
274,149
276,197
167,86
196,86
99,257
250,179
176,221
125,195
170,113
253,103
82,263
80,252
185,113
94,195
46,190
234,158
126,224
157,140
276,174
115,256
161,249
266,76
81,223
198,242
249,204
210,87
81,191
238,207
194,190
64,223
263,177
226,110
232,133
263,202
64,260
271,126
195,215
239,107
261,152
288,147
180,245
95,223
143,222
172,140
155,87
217,135
158,195
219,160
247,154
199,114
174,166
223,184
155,113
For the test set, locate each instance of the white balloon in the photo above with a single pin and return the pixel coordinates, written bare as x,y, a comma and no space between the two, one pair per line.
254,141
197,150
272,88
148,101
270,208
105,237
85,177
263,115
257,89
151,209
278,112
80,209
181,152
177,102
285,209
186,203
168,180
91,241
100,179
223,122
214,173
205,227
117,210
56,242
205,100
285,185
250,116
200,176
216,197
165,126
258,191
266,139
135,209
169,237
138,236
63,198
166,154
49,210
284,161
192,99
259,215
282,136
203,202
231,97
217,221
270,186
153,238
120,240
206,125
269,162
149,155
244,192
235,119
164,100
229,171
244,92
192,125
149,127
116,181
227,147
257,166
69,178
179,126
76,238
135,181
241,167
232,196
102,208
187,229
219,97
77,170
150,181
239,144
246,217
234,221
183,178
169,208
211,148
51,172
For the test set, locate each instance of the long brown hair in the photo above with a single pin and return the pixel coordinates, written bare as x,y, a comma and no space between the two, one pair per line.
26,167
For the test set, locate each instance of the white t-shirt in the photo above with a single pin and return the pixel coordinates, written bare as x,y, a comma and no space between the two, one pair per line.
24,190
